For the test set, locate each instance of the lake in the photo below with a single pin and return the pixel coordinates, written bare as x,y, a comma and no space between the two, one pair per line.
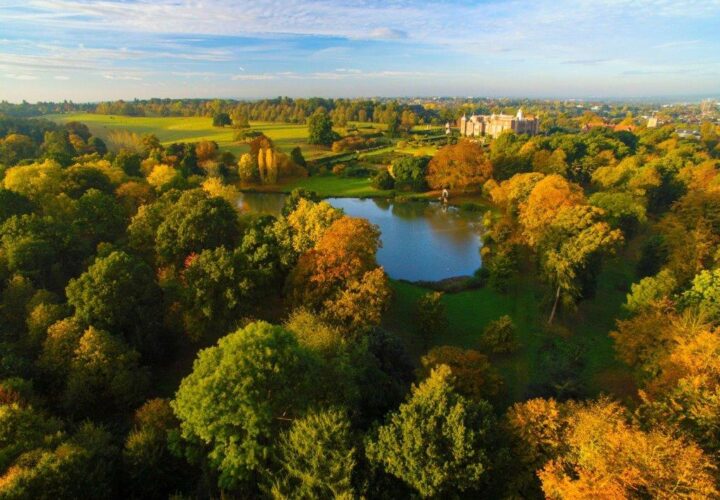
420,240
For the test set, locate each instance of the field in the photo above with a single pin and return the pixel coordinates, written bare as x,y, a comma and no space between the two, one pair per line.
192,129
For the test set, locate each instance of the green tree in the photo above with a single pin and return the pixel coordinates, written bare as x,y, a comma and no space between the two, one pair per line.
118,293
499,335
568,245
410,172
219,286
704,294
129,162
320,129
436,441
99,218
105,376
221,120
431,316
318,456
151,469
81,466
194,223
240,394
12,203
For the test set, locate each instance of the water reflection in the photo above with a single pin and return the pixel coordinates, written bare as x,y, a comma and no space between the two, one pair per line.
421,241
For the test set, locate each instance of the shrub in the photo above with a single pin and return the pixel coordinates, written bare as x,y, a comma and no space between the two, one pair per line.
383,180
499,335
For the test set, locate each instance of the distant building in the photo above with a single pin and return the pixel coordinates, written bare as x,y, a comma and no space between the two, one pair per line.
652,122
494,125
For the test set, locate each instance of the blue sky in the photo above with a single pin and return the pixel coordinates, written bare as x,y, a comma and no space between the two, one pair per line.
109,49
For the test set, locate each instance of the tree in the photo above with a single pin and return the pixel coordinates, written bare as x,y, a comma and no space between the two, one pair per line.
409,172
221,120
704,294
361,304
436,441
81,466
119,293
297,157
163,176
650,291
36,181
99,218
473,375
605,457
194,223
12,203
320,129
78,179
129,162
299,231
248,169
570,243
218,287
460,166
16,147
431,316
240,393
499,335
344,253
22,429
33,246
317,456
105,377
152,470
548,196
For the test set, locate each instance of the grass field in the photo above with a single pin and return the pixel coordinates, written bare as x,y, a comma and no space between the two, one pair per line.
331,185
192,129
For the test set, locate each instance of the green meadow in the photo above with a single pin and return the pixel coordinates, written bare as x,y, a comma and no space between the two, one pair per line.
193,129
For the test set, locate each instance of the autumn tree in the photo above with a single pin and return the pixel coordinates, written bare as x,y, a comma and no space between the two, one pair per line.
461,166
604,456
473,375
339,272
548,196
303,227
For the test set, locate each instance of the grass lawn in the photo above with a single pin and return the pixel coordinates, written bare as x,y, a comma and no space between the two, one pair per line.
334,186
428,150
194,128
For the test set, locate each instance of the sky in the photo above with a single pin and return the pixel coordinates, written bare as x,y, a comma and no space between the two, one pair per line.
84,50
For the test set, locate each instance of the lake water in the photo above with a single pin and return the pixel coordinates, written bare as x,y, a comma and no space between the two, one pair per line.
420,240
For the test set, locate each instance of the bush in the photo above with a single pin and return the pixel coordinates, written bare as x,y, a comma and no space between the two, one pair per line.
501,269
499,335
339,169
383,180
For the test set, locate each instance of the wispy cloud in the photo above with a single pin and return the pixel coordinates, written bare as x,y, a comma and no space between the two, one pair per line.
372,46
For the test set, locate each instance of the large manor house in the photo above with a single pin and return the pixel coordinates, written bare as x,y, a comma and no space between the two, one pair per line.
494,125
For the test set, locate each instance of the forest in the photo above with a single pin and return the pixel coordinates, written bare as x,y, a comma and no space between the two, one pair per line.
158,340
